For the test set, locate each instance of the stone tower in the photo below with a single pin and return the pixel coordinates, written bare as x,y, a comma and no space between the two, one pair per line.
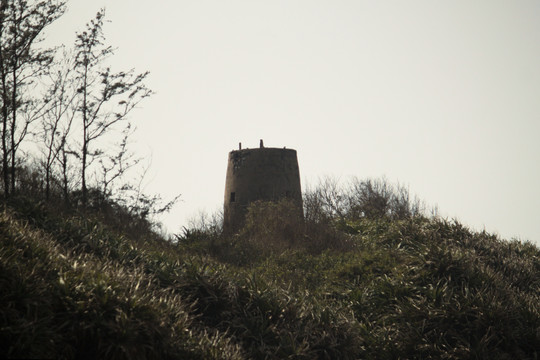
258,174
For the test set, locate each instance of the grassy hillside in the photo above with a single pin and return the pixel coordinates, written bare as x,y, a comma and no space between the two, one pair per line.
73,285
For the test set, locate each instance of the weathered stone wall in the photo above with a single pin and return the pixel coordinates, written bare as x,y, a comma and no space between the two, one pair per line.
259,174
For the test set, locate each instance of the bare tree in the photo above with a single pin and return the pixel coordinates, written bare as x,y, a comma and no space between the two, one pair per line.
115,165
21,64
106,97
57,121
325,201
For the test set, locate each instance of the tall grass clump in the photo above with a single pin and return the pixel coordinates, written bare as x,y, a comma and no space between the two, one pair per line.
65,301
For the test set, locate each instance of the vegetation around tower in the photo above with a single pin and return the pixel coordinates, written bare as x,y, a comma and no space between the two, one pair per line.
345,283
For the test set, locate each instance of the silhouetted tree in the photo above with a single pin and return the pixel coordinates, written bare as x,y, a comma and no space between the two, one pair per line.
57,121
21,65
106,97
114,166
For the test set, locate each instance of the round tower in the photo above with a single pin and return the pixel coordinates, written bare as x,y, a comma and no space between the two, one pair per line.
267,174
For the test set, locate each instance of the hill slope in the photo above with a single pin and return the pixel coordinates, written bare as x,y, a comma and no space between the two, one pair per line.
72,286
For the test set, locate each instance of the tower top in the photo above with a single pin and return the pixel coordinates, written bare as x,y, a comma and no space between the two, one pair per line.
261,146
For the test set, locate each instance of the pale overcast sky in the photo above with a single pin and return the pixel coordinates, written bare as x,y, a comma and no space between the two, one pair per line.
443,96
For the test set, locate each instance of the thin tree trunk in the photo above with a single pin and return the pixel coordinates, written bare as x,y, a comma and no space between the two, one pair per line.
47,184
13,128
5,115
83,180
14,61
49,162
85,138
64,172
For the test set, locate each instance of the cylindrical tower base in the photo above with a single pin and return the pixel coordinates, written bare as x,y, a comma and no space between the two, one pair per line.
267,174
